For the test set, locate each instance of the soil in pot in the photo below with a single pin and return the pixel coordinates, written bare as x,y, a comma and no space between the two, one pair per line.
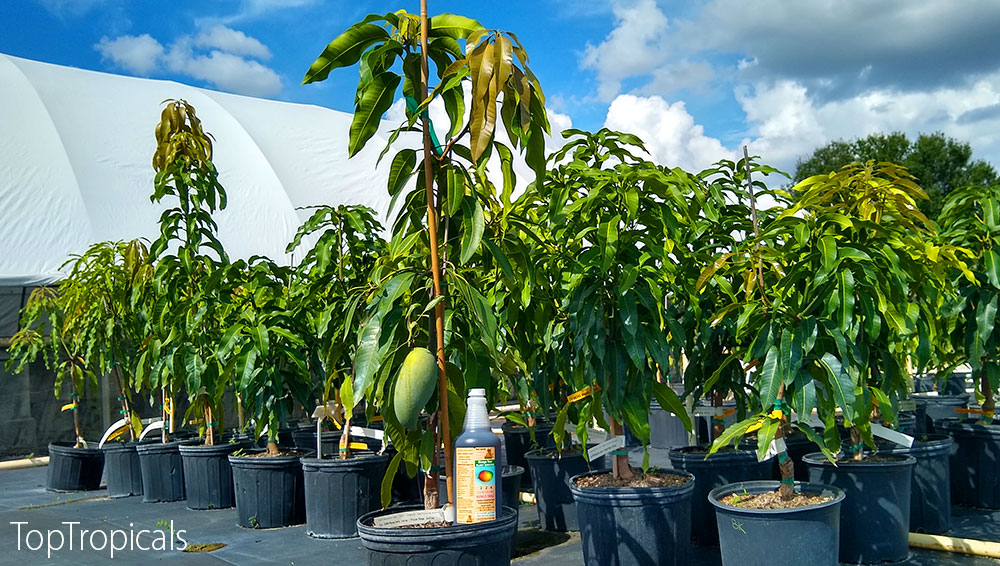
269,490
806,531
517,441
641,522
208,476
930,491
478,544
975,463
724,467
551,472
74,469
337,492
875,515
162,471
122,469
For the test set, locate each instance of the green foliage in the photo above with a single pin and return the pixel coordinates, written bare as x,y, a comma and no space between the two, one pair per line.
190,287
851,280
940,164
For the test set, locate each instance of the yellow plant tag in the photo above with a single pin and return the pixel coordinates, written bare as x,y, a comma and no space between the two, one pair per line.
68,406
168,406
121,430
987,414
359,446
583,393
196,421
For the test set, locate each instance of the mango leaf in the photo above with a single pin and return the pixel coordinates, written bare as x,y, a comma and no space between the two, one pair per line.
473,230
733,432
992,261
669,401
389,478
453,26
372,102
768,429
841,383
401,170
344,51
769,381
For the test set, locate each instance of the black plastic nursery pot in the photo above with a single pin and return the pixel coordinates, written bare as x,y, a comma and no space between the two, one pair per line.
517,440
930,490
74,469
162,471
121,467
550,474
477,544
722,468
305,439
932,409
875,515
975,463
635,526
765,537
337,492
208,476
269,490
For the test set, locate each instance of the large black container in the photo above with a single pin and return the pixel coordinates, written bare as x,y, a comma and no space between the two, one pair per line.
121,467
305,439
932,409
269,491
765,537
74,469
721,468
517,441
162,471
337,492
635,526
875,516
478,544
975,463
208,477
930,495
666,430
550,474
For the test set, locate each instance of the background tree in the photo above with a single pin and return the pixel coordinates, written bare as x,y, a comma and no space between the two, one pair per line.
939,163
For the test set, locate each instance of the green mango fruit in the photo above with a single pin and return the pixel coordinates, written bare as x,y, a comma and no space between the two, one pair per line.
414,386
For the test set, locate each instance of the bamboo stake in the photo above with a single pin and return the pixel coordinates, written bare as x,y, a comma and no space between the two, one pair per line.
445,434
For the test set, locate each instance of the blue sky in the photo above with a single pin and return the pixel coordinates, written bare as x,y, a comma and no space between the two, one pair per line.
695,79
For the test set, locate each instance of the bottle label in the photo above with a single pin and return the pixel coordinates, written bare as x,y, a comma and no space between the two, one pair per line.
475,484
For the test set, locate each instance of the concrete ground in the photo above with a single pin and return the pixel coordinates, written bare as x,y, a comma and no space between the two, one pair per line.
23,499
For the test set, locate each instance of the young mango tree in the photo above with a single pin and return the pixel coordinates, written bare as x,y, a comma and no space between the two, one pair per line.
188,309
970,219
618,220
825,312
427,296
327,289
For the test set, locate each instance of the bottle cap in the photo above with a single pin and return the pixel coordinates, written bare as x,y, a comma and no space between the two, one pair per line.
477,392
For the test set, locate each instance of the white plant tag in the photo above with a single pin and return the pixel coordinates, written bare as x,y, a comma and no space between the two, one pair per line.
323,411
605,447
368,432
908,405
892,435
777,447
593,434
410,518
708,411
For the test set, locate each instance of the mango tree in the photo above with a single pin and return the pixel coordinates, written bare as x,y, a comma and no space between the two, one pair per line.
190,292
617,219
970,218
437,238
825,312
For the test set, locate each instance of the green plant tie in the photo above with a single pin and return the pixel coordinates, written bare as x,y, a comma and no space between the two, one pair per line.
780,405
855,448
436,469
122,412
619,452
121,398
73,394
782,457
788,481
716,419
411,105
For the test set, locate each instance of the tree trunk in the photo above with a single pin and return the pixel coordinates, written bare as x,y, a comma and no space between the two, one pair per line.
77,427
857,447
989,404
168,420
209,426
718,421
619,463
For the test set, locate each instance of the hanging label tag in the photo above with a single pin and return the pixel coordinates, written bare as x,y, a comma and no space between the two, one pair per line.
583,393
777,447
892,435
605,447
410,518
713,411
908,405
68,407
593,434
368,432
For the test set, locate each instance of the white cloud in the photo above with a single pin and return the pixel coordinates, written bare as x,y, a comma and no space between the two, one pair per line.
668,131
634,47
220,56
139,55
232,41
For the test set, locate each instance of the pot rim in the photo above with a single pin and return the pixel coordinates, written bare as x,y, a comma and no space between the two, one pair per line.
818,459
632,493
67,448
395,535
771,485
